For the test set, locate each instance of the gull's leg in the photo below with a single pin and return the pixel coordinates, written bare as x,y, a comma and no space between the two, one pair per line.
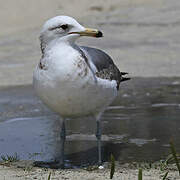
63,138
98,136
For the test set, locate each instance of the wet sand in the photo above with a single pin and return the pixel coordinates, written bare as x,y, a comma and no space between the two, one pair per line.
143,118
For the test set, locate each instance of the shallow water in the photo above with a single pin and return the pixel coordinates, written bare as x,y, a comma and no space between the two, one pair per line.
136,127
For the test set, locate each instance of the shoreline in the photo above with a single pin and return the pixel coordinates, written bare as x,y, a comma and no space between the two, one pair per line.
25,169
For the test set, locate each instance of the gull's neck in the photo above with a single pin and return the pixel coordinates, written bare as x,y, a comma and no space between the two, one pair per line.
63,41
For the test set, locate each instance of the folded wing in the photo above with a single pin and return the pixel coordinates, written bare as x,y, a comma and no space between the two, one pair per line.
106,69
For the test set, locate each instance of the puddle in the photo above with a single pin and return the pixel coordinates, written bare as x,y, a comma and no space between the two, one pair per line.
136,127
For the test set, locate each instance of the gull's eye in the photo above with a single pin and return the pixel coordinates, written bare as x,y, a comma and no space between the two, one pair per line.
64,26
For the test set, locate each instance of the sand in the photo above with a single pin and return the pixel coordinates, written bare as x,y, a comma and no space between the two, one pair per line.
25,170
142,36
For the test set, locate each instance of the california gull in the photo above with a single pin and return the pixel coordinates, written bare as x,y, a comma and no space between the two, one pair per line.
74,81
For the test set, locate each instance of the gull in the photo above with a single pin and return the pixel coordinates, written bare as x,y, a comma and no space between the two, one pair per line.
74,81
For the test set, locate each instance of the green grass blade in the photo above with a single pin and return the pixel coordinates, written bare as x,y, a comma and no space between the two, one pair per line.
112,166
49,177
140,174
164,177
10,158
173,151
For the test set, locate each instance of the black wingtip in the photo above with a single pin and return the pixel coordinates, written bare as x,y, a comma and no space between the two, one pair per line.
125,79
124,73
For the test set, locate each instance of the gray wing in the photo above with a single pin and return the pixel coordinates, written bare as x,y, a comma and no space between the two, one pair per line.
105,65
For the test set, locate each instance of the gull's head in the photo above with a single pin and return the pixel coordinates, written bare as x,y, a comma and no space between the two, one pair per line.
65,28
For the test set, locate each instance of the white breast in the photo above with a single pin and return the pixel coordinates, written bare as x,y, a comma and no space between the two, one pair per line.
67,85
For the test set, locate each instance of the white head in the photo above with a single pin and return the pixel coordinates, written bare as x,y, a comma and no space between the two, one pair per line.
65,28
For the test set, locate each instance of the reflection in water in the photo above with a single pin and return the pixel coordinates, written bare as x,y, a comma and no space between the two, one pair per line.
137,127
